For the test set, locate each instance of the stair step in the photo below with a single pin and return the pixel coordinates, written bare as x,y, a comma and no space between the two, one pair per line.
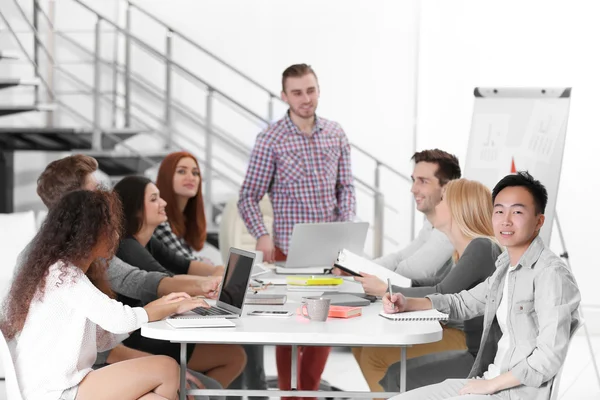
56,139
115,164
14,109
12,82
9,55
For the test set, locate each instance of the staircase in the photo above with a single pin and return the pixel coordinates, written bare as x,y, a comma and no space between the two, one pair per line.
133,121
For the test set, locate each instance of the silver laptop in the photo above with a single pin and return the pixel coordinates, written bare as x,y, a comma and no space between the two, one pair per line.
234,287
318,245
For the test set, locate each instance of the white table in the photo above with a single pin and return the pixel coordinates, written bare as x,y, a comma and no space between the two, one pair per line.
366,331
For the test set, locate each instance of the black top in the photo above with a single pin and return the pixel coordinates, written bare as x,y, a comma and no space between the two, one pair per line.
477,263
154,257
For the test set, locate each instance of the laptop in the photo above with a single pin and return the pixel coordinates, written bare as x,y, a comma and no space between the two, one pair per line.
234,287
315,247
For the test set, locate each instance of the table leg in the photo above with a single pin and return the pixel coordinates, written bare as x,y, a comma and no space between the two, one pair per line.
403,368
294,375
182,370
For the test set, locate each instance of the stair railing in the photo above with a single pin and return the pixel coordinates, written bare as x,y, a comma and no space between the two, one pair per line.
212,131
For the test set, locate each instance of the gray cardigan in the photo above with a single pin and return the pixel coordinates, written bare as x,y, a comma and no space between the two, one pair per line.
543,301
476,264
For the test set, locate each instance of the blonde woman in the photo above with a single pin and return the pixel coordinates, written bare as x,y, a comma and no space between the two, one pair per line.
464,216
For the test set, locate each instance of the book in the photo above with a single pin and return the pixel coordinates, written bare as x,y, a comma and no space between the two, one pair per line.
340,312
355,264
344,312
265,299
426,315
200,323
314,281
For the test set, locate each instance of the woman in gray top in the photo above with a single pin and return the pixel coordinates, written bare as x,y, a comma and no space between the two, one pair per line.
464,216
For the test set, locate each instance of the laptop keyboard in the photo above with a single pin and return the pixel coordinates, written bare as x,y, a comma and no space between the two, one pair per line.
210,311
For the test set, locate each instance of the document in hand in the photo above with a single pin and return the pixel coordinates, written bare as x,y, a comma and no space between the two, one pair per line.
358,264
426,315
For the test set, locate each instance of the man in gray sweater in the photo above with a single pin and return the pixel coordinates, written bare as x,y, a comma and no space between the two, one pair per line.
77,172
428,258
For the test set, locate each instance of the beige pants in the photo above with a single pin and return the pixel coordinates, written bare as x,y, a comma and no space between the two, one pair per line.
374,361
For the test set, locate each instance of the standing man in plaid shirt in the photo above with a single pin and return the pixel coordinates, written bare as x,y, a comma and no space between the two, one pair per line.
303,162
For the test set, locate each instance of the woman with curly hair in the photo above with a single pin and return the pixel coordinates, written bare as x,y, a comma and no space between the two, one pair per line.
56,317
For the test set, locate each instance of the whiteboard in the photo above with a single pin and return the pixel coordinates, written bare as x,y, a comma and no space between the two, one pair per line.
519,129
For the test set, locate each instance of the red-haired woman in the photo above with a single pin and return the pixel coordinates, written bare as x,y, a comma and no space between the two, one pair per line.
180,184
56,318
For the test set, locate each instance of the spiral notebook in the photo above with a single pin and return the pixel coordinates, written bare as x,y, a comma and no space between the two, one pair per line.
426,315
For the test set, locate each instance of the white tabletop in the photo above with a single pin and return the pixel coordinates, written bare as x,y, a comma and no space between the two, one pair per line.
367,330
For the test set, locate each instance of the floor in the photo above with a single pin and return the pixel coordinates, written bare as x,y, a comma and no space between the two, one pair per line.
578,381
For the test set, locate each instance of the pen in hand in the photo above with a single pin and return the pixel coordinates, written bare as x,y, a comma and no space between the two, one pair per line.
390,288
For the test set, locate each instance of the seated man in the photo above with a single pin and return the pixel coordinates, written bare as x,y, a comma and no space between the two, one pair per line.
530,306
426,261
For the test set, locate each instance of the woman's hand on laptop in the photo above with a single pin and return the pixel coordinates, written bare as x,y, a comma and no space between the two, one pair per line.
173,303
371,284
190,304
265,244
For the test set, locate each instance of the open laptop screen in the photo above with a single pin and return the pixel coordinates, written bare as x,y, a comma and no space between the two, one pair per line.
237,276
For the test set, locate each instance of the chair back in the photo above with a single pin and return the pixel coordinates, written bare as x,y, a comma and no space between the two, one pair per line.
233,231
556,380
10,375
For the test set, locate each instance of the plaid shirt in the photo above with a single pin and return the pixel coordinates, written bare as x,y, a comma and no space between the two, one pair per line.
308,178
164,233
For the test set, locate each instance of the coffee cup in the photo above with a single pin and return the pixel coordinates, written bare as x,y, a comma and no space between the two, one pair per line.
316,308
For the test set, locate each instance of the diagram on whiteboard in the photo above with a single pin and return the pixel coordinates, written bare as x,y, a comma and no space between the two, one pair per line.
543,129
492,130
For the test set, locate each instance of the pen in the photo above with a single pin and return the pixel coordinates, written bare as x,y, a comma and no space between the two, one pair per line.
390,288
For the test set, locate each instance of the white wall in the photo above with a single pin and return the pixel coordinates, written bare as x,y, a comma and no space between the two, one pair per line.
515,43
364,55
364,52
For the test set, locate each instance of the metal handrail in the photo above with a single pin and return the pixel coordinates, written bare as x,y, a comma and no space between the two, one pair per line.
208,125
78,81
154,90
371,190
183,69
173,63
47,87
272,95
197,46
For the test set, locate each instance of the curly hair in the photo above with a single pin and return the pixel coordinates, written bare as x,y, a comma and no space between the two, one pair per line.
74,228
